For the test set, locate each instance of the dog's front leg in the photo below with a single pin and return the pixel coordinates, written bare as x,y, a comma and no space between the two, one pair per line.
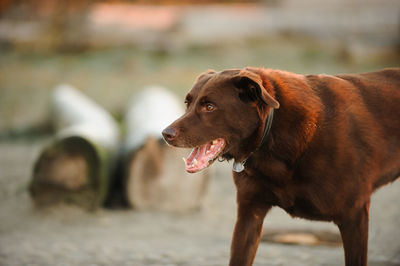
354,230
247,233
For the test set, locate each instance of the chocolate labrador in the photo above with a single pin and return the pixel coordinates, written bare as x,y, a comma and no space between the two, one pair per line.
317,146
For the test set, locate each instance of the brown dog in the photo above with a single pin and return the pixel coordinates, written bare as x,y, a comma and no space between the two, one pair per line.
316,146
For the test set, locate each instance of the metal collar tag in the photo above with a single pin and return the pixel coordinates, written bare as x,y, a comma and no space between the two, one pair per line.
238,167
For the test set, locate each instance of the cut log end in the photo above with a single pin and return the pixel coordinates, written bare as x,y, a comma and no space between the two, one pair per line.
156,179
66,171
69,171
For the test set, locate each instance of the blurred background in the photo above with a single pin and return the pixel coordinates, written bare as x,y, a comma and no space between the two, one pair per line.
110,50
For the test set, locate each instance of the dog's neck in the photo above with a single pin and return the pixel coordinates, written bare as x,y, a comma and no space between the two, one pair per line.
290,119
239,165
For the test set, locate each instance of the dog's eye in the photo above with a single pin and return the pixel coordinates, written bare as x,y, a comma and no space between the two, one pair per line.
209,107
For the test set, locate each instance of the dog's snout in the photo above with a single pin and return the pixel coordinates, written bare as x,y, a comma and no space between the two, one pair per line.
169,134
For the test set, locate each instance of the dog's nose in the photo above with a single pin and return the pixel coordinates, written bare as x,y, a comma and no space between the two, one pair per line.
169,134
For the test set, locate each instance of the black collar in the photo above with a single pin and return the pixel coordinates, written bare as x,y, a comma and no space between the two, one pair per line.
239,166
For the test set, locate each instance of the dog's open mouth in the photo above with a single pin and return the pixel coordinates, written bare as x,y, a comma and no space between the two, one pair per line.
201,157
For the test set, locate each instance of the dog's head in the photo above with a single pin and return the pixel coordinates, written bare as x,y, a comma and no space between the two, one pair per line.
225,110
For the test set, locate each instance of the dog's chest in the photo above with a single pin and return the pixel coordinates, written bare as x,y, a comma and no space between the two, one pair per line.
305,208
295,199
297,204
277,185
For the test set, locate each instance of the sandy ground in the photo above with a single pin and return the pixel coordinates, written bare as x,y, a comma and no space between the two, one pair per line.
66,235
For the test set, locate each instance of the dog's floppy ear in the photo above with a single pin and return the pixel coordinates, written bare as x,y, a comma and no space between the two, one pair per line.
251,88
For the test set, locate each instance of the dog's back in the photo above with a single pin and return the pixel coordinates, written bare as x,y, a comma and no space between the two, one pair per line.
380,94
361,111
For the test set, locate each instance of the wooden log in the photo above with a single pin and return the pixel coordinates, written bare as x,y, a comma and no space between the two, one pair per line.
75,167
155,177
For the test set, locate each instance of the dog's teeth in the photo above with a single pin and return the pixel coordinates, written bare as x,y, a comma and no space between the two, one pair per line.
214,142
195,162
184,159
207,152
212,147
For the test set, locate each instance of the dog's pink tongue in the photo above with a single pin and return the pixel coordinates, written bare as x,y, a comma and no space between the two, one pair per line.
201,156
197,159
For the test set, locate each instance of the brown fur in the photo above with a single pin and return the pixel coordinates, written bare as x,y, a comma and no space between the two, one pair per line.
333,141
